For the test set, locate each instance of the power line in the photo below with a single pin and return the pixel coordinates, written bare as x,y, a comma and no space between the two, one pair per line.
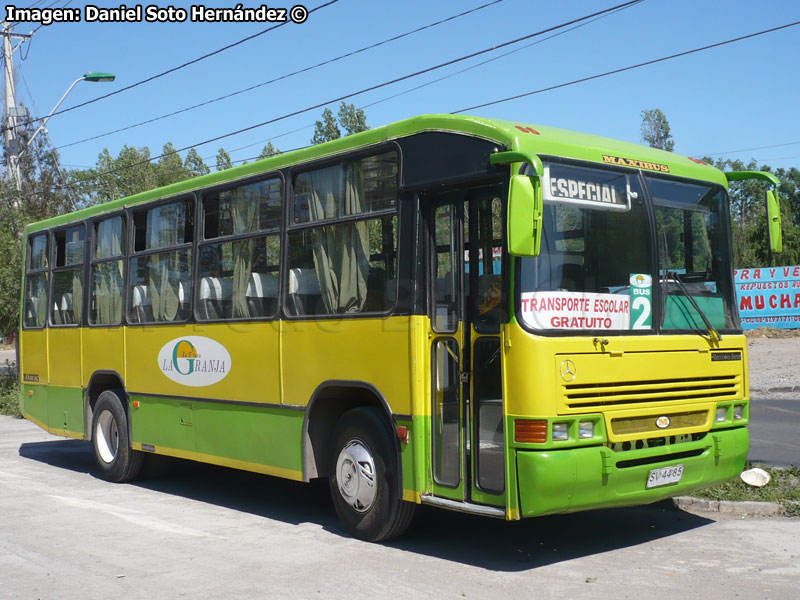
286,116
494,58
184,65
389,82
749,149
286,76
636,66
310,125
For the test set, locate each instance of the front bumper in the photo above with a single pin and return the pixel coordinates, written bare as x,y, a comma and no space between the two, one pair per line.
569,480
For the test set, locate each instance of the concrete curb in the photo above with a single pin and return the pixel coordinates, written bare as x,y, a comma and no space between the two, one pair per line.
743,509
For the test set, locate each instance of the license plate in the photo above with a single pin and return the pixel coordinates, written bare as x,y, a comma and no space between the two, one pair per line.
664,476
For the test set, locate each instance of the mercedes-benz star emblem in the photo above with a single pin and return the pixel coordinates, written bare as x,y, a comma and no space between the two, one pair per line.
568,370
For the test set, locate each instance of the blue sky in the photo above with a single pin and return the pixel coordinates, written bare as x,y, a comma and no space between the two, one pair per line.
736,97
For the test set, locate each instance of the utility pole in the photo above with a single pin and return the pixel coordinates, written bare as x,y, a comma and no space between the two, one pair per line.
12,113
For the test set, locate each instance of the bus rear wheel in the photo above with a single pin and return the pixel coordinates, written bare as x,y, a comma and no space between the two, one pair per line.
364,478
117,461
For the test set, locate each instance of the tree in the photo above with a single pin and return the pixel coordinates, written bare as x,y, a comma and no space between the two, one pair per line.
131,172
11,266
223,160
327,129
170,167
655,130
268,151
352,119
194,164
749,216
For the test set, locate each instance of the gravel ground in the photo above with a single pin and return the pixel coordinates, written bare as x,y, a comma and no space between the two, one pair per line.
774,365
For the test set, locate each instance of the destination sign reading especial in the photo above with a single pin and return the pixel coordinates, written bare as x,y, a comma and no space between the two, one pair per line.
581,185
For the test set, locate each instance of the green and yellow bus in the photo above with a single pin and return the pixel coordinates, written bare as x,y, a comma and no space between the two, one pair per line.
493,317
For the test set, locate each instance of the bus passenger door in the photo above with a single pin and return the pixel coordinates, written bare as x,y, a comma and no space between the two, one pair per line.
484,308
446,306
467,439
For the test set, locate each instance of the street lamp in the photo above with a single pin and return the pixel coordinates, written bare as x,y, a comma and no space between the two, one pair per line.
94,76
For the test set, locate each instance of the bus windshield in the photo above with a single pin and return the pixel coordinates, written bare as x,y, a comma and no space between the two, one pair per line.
595,270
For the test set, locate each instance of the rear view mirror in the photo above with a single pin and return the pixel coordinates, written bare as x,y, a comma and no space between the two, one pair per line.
524,216
774,230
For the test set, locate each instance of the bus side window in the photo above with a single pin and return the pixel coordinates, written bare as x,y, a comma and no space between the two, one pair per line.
161,269
106,275
343,238
238,272
67,301
36,283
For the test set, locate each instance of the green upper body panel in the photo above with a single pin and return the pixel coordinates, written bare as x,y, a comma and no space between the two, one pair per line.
514,136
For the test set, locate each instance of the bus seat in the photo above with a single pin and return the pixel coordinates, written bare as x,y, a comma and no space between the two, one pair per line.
376,290
262,294
57,318
304,292
31,309
68,310
215,297
571,277
391,293
141,304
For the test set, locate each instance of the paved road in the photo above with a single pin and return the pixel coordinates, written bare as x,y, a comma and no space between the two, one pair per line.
773,431
202,532
7,355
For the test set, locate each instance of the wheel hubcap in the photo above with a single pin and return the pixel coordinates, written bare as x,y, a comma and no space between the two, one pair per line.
355,476
107,436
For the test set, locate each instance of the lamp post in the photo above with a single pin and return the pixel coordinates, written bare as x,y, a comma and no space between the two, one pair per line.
92,76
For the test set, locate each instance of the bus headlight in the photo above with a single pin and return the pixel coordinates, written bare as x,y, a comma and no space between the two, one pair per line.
722,413
738,412
585,429
560,432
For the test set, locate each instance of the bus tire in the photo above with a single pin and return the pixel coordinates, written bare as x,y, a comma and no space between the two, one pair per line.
364,478
117,461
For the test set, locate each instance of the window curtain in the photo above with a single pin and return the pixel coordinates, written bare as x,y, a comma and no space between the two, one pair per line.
74,252
165,227
341,252
39,291
77,295
108,278
245,205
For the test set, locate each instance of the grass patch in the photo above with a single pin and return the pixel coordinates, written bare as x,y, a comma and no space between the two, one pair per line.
783,488
9,393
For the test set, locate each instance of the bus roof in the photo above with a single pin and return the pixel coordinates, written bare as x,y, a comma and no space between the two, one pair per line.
538,139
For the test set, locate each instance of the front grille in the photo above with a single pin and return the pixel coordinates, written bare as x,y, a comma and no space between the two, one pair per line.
655,442
651,460
642,424
593,395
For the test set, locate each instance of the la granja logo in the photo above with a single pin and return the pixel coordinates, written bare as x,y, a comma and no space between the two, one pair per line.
194,360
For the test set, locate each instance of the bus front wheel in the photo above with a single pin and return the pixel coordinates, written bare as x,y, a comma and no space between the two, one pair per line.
117,461
364,478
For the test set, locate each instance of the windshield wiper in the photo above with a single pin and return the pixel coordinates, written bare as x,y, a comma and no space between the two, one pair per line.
712,332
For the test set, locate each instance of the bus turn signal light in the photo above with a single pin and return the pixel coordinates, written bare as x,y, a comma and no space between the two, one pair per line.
530,431
402,433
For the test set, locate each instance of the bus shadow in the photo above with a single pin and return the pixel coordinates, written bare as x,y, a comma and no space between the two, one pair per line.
72,455
531,543
471,540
